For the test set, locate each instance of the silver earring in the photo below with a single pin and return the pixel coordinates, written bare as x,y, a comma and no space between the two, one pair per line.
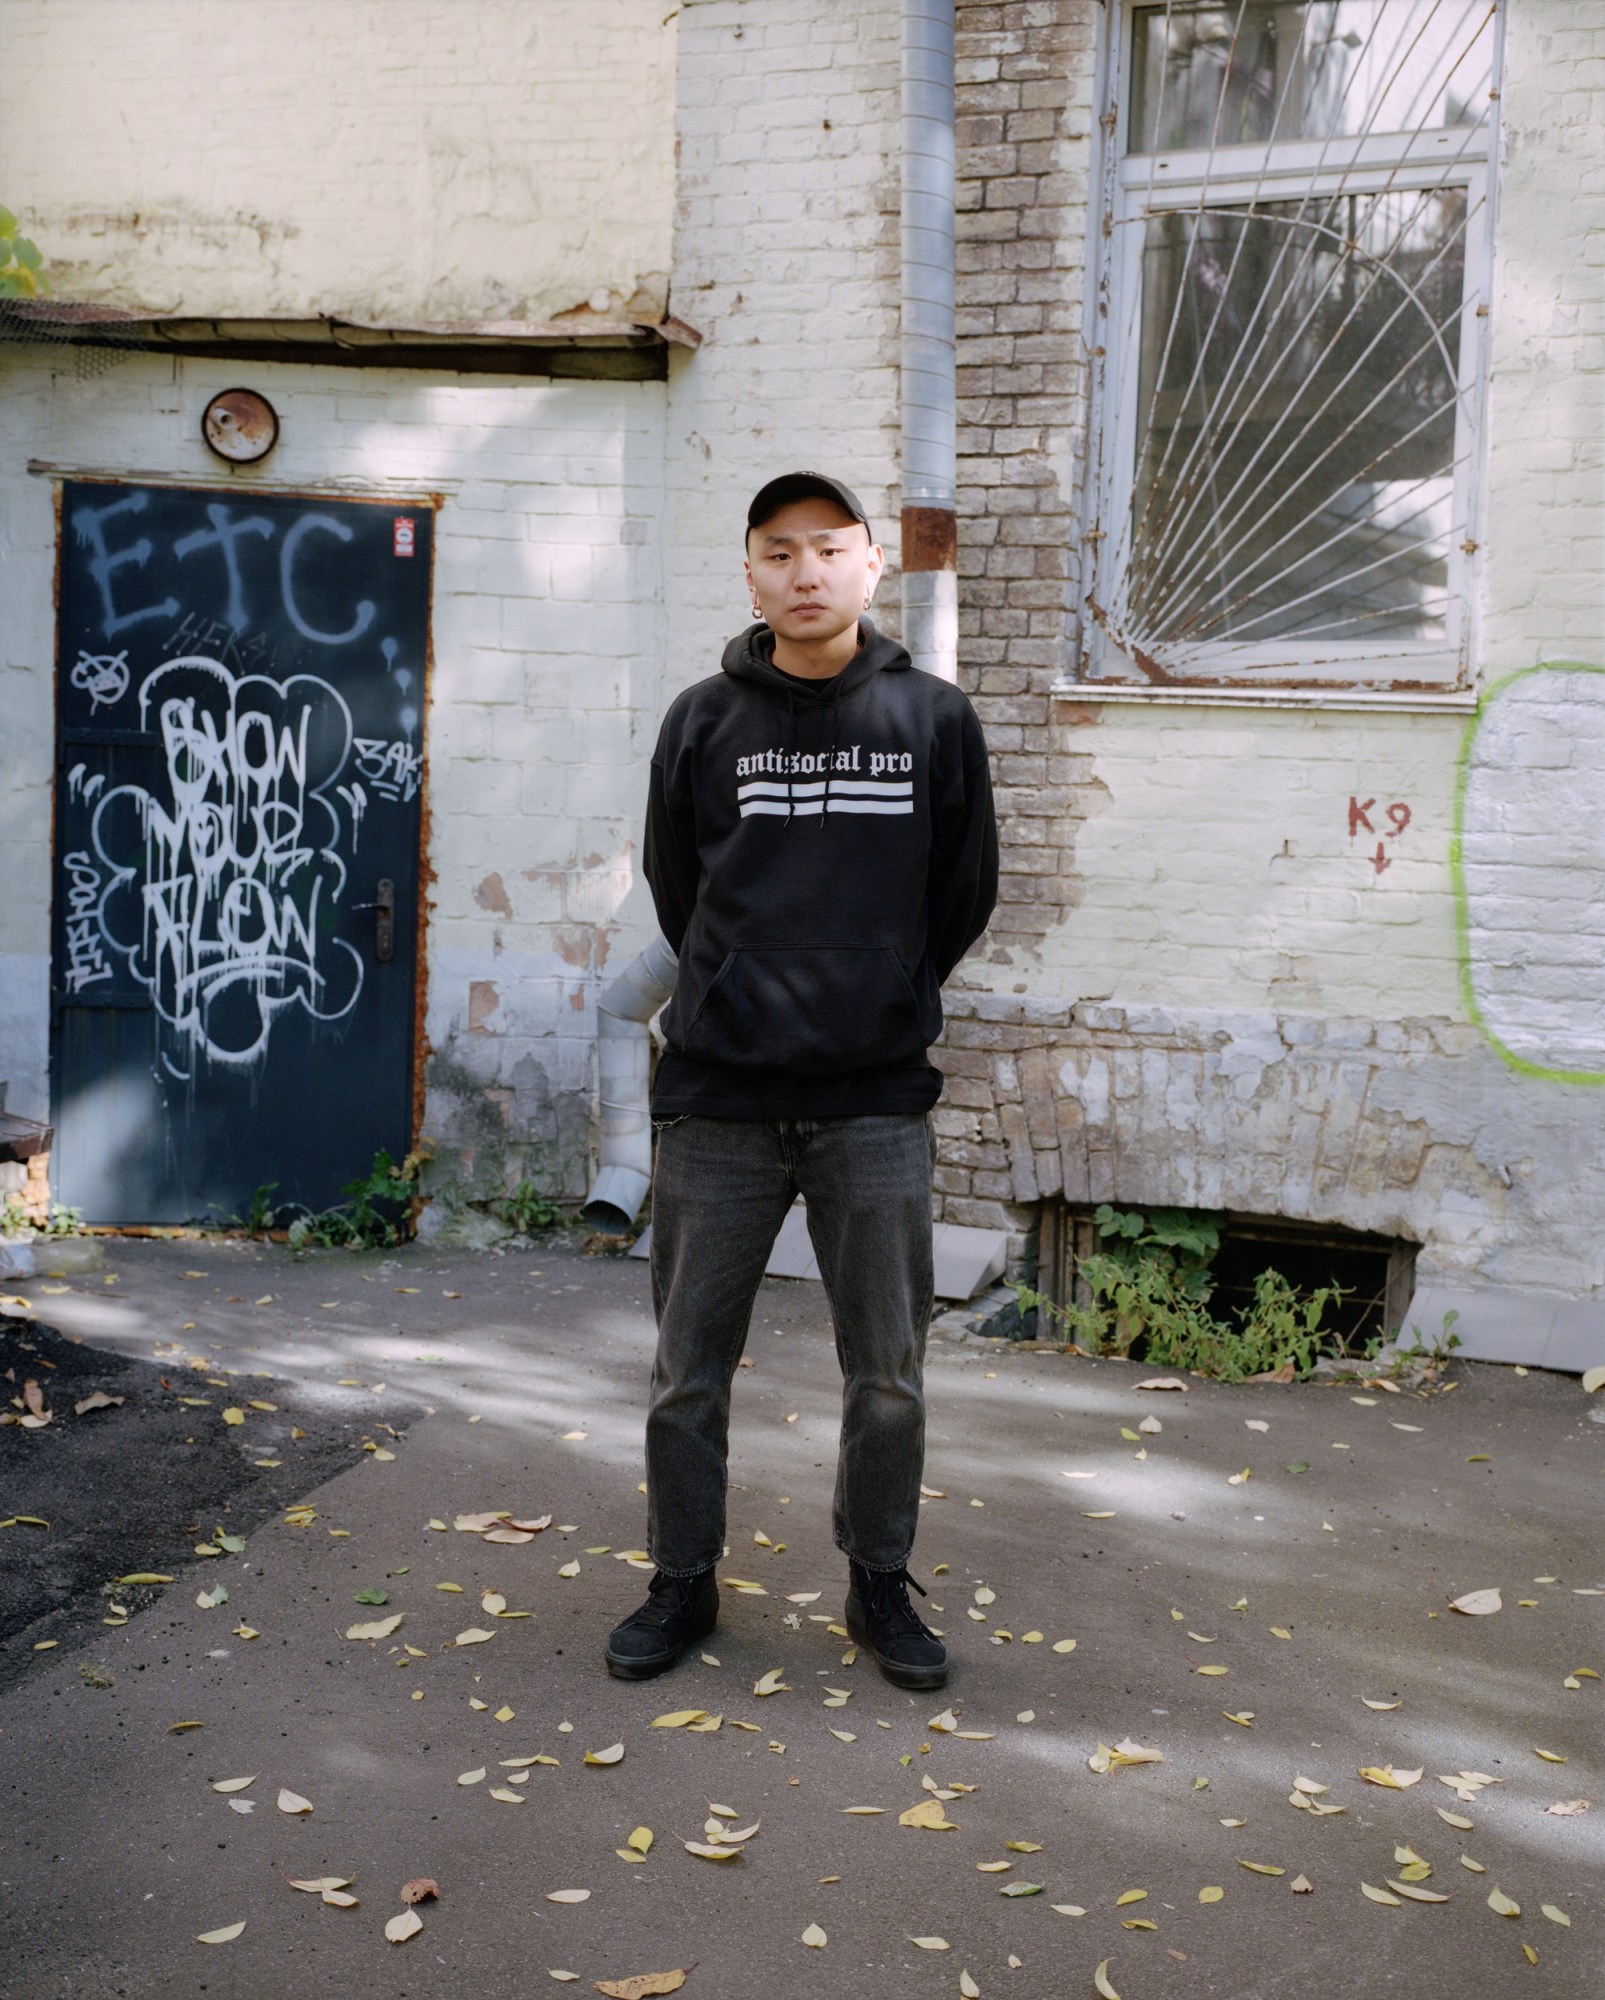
866,603
756,612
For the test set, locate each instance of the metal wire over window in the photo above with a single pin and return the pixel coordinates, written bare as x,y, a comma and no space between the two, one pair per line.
1297,215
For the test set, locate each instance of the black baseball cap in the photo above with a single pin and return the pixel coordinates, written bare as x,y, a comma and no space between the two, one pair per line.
778,493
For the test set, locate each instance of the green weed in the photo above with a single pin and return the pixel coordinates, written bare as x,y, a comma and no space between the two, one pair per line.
377,1211
14,1219
526,1210
1150,1292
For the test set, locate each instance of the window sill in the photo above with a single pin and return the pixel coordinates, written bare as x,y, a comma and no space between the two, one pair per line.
1452,701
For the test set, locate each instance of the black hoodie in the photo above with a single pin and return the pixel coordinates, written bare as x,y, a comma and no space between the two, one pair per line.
821,855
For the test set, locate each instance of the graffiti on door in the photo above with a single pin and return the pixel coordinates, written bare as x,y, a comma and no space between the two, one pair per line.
240,783
222,881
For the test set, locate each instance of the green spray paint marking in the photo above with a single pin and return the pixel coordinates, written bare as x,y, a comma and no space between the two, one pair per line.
1457,869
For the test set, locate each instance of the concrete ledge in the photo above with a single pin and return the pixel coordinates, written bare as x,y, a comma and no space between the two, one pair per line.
1537,1329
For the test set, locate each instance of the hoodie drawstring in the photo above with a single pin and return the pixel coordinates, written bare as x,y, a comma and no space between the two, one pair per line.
830,757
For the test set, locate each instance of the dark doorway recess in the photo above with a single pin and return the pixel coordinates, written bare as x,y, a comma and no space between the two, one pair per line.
1377,1273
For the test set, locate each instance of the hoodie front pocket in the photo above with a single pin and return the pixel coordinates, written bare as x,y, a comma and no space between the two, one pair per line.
820,1009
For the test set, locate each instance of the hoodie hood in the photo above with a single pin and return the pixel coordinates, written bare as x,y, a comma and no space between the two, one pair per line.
750,657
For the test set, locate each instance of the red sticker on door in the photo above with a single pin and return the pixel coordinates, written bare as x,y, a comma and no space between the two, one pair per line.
405,540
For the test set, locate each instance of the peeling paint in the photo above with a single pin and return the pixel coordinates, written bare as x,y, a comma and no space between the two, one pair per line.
484,1000
492,895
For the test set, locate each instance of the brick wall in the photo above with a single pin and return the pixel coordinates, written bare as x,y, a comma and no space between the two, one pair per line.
1025,133
1546,433
786,259
390,160
1206,983
1411,1128
544,694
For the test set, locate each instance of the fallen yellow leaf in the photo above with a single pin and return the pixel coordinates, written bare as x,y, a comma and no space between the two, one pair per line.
928,1813
1408,1888
377,1628
1125,1752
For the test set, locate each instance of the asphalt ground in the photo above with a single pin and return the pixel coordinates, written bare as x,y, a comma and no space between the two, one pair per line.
1159,1559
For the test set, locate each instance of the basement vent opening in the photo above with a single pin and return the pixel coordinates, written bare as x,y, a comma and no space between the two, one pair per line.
1376,1273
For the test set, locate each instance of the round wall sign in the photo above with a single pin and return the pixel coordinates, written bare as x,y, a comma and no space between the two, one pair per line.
240,426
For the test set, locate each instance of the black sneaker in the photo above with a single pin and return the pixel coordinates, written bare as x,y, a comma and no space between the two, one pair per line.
678,1610
880,1617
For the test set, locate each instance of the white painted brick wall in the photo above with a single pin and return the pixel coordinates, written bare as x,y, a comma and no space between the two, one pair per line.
1543,596
786,259
1207,853
545,685
392,160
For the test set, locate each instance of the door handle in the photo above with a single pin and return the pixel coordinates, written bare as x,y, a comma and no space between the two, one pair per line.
384,920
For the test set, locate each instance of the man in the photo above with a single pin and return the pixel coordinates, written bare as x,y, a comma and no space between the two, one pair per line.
821,849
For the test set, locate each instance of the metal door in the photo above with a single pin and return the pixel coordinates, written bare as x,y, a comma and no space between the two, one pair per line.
240,699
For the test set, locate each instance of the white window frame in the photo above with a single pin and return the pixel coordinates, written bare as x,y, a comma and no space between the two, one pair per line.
1137,185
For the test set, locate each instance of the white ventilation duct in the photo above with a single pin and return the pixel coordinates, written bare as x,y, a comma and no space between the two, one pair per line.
623,1061
929,383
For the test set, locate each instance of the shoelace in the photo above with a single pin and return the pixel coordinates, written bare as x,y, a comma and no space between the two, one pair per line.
888,1598
667,1597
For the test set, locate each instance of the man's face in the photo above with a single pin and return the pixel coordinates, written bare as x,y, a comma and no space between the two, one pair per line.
811,566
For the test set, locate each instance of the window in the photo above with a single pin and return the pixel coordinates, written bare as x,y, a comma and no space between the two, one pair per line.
1289,349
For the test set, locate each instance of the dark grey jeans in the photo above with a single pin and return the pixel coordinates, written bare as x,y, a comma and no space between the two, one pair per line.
721,1190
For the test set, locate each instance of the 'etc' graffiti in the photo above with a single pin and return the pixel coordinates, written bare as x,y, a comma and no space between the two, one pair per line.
223,889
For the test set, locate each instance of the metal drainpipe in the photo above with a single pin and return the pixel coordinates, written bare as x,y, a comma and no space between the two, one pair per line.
623,1060
929,388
